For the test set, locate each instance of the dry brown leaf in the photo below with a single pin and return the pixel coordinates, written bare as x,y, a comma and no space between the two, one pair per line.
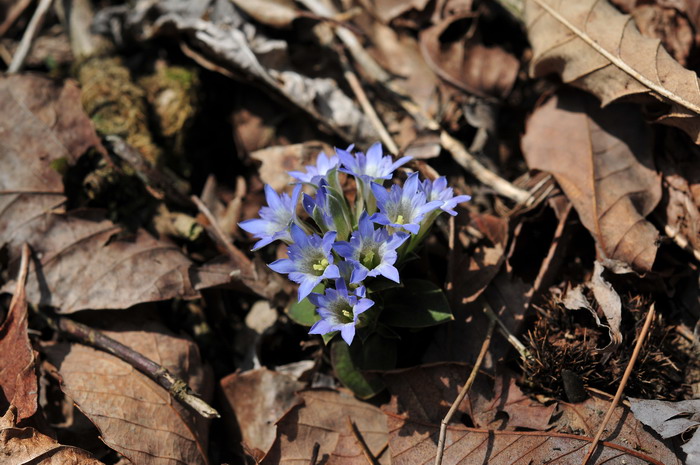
83,265
413,440
25,446
602,160
80,262
135,416
255,400
18,379
593,46
277,161
426,393
324,420
477,69
274,13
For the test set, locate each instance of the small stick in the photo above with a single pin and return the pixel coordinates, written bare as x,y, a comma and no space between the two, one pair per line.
364,102
30,33
510,337
175,386
314,453
221,237
623,383
361,441
463,393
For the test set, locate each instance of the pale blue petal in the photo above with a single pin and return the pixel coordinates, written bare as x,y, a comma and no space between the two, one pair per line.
283,266
348,333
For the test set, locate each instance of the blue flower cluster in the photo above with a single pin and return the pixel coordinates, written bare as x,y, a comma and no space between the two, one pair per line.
348,243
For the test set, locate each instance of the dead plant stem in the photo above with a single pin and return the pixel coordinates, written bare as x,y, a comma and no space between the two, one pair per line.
510,337
371,114
174,385
30,33
623,383
463,393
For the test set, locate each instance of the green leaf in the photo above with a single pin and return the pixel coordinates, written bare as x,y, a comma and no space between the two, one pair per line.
304,312
418,304
343,359
379,353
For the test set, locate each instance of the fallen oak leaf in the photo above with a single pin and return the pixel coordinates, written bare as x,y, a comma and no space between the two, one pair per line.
593,46
135,416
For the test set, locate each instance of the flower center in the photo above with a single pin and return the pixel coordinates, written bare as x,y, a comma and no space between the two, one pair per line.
399,219
370,257
320,266
347,314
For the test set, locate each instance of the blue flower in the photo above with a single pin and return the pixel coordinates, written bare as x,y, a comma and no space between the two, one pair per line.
339,310
310,260
402,207
438,190
275,219
318,209
314,174
371,252
371,166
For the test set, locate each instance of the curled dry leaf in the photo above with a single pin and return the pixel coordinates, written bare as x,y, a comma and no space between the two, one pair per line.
473,67
602,160
135,416
25,446
255,400
324,421
671,419
18,379
593,46
227,42
609,301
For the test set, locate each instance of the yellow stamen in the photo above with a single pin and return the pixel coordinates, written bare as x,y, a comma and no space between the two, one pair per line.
346,313
399,219
321,265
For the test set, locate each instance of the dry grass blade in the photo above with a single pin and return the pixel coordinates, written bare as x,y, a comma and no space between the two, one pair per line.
463,392
623,383
595,47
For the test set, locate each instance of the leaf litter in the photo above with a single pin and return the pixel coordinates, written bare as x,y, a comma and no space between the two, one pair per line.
127,169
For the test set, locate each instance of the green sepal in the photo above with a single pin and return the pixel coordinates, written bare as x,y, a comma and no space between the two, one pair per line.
419,304
304,312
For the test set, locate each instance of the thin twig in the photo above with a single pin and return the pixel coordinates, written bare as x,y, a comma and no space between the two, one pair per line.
459,152
623,383
30,33
510,337
174,385
20,290
221,237
361,441
463,393
371,114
